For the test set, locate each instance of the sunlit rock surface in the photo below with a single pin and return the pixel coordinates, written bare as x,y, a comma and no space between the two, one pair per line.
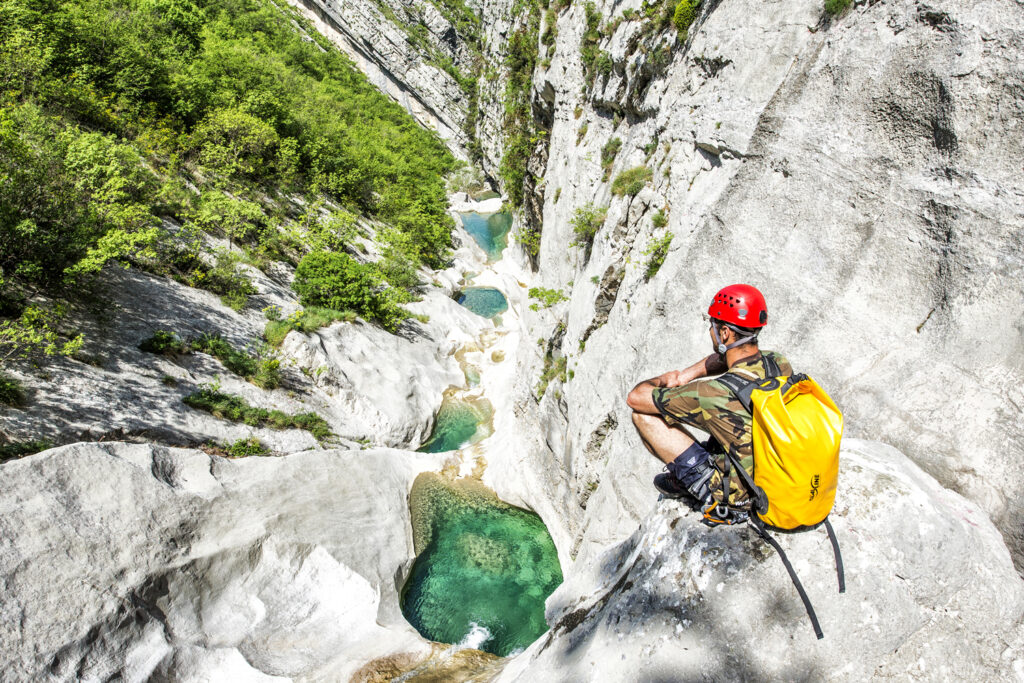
931,594
131,560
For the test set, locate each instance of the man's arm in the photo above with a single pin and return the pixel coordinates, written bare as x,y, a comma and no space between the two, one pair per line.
640,399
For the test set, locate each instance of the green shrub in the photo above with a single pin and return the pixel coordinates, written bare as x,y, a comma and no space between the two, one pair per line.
238,362
686,12
586,221
19,449
659,220
304,320
164,343
546,297
336,281
236,409
553,369
582,132
656,253
589,41
608,154
244,448
836,7
224,279
36,334
12,393
630,182
604,63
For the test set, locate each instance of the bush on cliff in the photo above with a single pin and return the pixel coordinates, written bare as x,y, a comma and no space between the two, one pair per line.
632,181
338,282
686,12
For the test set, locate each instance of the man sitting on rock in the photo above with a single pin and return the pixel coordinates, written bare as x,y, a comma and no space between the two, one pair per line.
664,406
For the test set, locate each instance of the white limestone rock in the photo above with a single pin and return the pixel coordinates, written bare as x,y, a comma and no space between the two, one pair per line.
931,593
861,171
134,561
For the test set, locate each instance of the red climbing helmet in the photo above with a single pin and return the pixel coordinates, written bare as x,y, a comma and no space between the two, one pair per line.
740,305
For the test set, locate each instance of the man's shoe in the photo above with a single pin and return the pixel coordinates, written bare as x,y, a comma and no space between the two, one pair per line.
671,487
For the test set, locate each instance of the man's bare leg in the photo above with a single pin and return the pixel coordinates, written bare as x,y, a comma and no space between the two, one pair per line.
663,441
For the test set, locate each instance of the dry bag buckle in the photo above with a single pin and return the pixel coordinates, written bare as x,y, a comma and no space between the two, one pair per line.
716,514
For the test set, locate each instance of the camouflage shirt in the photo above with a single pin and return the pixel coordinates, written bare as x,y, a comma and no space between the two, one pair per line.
710,405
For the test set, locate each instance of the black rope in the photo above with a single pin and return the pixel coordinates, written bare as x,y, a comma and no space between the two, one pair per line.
839,558
792,575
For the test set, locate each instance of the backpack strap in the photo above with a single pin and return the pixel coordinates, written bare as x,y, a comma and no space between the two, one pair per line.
756,524
839,558
740,387
771,368
760,498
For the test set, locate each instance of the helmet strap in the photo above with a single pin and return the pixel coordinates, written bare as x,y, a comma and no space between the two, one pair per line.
722,348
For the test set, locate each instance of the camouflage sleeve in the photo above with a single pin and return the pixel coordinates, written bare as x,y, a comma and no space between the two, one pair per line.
681,405
784,366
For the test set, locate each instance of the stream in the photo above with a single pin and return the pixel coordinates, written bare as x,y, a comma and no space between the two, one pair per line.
483,567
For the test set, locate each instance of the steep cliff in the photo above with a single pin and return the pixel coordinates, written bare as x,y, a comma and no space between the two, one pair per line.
861,170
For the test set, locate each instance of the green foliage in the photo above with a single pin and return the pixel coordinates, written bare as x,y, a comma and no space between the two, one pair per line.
227,280
586,221
164,343
236,409
70,200
304,320
630,182
260,367
659,220
237,219
603,64
109,108
837,7
19,449
554,369
582,132
589,42
686,12
530,239
558,194
520,135
546,298
11,392
36,334
608,154
656,253
245,448
336,281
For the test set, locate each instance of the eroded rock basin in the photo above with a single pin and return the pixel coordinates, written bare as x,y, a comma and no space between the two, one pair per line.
483,569
489,230
484,301
460,422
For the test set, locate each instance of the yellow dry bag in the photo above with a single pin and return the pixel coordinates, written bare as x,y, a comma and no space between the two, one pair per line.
796,432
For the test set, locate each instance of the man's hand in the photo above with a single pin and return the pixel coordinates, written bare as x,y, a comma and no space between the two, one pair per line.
640,399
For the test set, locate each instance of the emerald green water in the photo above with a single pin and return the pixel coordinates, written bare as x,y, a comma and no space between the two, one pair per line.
459,423
483,568
485,301
489,230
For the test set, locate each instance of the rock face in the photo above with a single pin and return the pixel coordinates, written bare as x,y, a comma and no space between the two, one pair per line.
145,562
861,171
929,583
369,385
382,50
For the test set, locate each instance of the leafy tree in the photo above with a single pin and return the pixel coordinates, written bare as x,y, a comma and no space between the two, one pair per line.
338,282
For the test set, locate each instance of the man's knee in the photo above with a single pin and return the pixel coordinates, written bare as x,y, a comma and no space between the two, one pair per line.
644,422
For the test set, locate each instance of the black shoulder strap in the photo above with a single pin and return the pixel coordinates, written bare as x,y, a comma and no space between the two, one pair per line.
758,494
792,575
740,387
839,558
771,368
